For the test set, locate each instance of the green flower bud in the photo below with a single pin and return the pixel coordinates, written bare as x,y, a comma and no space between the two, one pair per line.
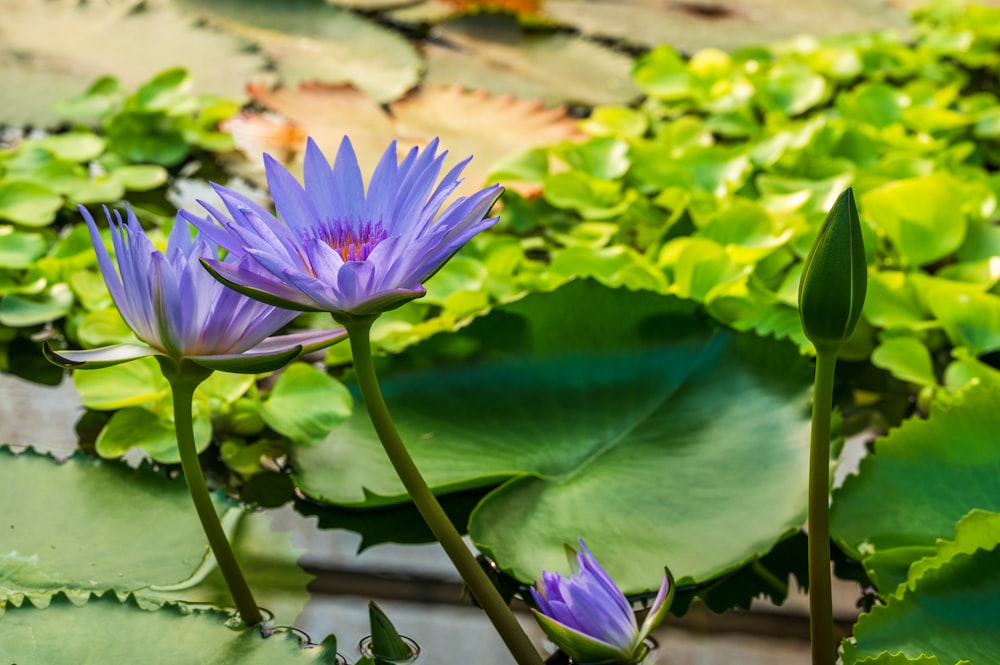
834,278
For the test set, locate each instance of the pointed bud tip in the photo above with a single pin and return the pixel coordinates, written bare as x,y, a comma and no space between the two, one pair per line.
834,277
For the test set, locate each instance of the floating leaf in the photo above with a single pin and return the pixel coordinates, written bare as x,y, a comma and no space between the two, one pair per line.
118,528
21,311
28,203
305,404
948,607
456,116
906,358
723,24
128,40
496,55
105,630
924,477
921,216
19,249
138,427
588,398
310,40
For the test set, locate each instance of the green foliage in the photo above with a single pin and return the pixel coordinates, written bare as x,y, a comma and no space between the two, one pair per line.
948,606
605,413
925,476
107,630
715,187
127,531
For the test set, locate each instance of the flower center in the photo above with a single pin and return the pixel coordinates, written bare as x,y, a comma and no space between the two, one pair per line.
354,242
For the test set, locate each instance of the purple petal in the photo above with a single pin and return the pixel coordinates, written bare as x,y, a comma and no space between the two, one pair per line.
337,192
293,205
103,259
378,200
260,287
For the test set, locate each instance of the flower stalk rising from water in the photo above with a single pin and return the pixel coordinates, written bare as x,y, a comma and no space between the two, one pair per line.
831,297
192,325
356,254
589,618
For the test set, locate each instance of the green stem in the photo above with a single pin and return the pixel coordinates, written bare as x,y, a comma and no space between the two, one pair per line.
183,385
824,647
472,573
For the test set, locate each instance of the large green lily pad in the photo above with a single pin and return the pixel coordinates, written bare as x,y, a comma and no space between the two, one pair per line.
86,526
107,631
616,416
924,477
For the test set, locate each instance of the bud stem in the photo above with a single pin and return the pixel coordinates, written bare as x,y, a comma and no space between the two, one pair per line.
824,648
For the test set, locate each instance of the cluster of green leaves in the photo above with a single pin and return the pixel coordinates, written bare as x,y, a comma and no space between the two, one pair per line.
715,187
46,259
51,288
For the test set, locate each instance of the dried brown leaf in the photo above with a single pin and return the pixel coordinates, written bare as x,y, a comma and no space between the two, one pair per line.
467,122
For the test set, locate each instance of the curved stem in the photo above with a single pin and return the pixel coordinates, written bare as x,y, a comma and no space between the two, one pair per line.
183,388
472,573
824,646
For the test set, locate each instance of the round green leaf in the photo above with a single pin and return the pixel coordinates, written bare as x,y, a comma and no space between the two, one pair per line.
21,311
75,146
129,384
306,404
922,217
28,203
907,359
19,249
615,416
140,177
107,631
924,477
139,427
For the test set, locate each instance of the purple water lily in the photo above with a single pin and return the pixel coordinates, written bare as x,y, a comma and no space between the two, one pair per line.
180,311
588,616
337,248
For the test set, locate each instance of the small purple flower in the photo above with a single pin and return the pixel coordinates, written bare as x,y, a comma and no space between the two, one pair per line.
176,307
337,248
588,616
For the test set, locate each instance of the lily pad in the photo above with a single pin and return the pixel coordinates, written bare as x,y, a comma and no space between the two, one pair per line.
107,631
131,41
949,610
924,477
132,531
310,40
305,403
720,23
328,113
86,526
922,217
497,55
616,416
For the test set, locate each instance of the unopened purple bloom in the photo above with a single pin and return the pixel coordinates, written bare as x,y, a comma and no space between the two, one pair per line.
338,248
175,306
588,616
